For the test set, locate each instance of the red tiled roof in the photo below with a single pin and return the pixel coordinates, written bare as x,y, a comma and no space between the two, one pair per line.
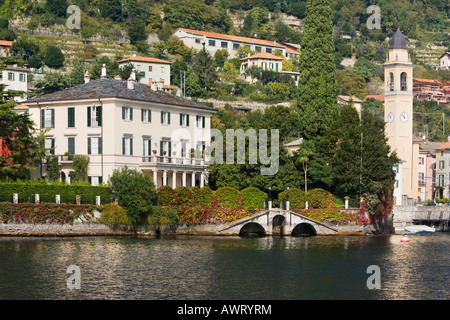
145,59
263,55
444,146
378,97
233,38
6,43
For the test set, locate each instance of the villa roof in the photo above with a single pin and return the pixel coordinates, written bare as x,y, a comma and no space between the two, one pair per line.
112,88
443,146
263,55
233,38
145,59
6,43
429,147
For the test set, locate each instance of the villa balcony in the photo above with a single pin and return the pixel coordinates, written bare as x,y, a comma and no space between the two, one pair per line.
166,161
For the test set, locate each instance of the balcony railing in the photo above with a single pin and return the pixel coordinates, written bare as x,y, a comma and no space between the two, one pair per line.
174,160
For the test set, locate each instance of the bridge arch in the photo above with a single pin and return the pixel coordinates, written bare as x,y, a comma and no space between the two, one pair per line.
252,230
303,230
278,223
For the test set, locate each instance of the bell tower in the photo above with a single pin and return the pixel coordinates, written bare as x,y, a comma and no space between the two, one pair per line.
398,114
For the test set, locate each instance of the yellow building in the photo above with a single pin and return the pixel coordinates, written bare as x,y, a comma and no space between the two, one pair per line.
398,74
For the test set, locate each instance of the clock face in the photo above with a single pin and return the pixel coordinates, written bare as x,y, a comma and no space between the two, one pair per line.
390,117
403,117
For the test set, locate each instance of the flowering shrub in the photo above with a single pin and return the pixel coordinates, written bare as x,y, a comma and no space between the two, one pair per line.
329,215
166,196
319,199
43,213
114,215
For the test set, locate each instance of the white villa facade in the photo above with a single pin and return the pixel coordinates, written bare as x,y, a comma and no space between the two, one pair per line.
17,79
125,123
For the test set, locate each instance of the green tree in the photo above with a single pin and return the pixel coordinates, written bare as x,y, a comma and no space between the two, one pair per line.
317,85
111,9
134,191
54,58
80,167
346,164
57,7
53,168
205,67
136,32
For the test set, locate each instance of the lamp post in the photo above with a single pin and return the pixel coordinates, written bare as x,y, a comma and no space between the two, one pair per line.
287,199
270,198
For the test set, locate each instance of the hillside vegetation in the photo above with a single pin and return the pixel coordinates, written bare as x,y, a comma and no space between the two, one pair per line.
114,29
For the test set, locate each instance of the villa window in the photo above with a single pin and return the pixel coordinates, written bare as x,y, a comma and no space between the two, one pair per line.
184,120
48,118
146,115
127,146
165,117
127,113
94,145
94,116
200,121
49,145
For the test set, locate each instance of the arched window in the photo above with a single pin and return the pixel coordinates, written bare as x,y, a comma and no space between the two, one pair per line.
391,81
403,86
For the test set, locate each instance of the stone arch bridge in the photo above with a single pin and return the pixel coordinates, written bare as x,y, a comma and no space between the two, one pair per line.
277,222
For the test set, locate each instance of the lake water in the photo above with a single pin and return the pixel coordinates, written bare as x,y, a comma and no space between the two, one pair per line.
232,268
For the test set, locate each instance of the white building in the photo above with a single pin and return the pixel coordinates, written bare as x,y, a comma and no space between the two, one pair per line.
444,61
215,41
125,123
151,71
15,79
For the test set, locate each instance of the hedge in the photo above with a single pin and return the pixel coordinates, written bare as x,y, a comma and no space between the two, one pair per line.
183,196
47,192
166,196
44,213
319,199
227,197
297,198
253,198
202,196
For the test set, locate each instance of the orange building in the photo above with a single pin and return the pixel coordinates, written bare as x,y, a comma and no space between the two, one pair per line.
431,90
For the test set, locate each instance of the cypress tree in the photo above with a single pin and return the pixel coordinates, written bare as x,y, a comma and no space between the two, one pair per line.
346,164
317,85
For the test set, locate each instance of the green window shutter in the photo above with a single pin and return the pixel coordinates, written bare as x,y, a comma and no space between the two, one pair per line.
168,117
142,115
123,113
131,113
90,179
53,117
100,179
100,146
162,116
170,148
131,146
161,148
149,114
123,145
187,120
181,119
203,121
53,147
71,117
89,116
71,145
89,145
99,115
42,118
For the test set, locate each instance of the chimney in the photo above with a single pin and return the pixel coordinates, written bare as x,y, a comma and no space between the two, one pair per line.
133,75
87,77
130,84
448,138
103,76
118,77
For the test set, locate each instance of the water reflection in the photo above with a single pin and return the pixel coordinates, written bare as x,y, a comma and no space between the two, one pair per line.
189,267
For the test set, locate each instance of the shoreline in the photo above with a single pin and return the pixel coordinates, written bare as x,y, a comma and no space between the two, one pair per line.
94,229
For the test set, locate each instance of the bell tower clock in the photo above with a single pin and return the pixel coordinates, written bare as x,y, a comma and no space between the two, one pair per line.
398,97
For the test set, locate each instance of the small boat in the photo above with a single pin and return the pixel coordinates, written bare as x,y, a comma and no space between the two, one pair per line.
419,229
404,239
